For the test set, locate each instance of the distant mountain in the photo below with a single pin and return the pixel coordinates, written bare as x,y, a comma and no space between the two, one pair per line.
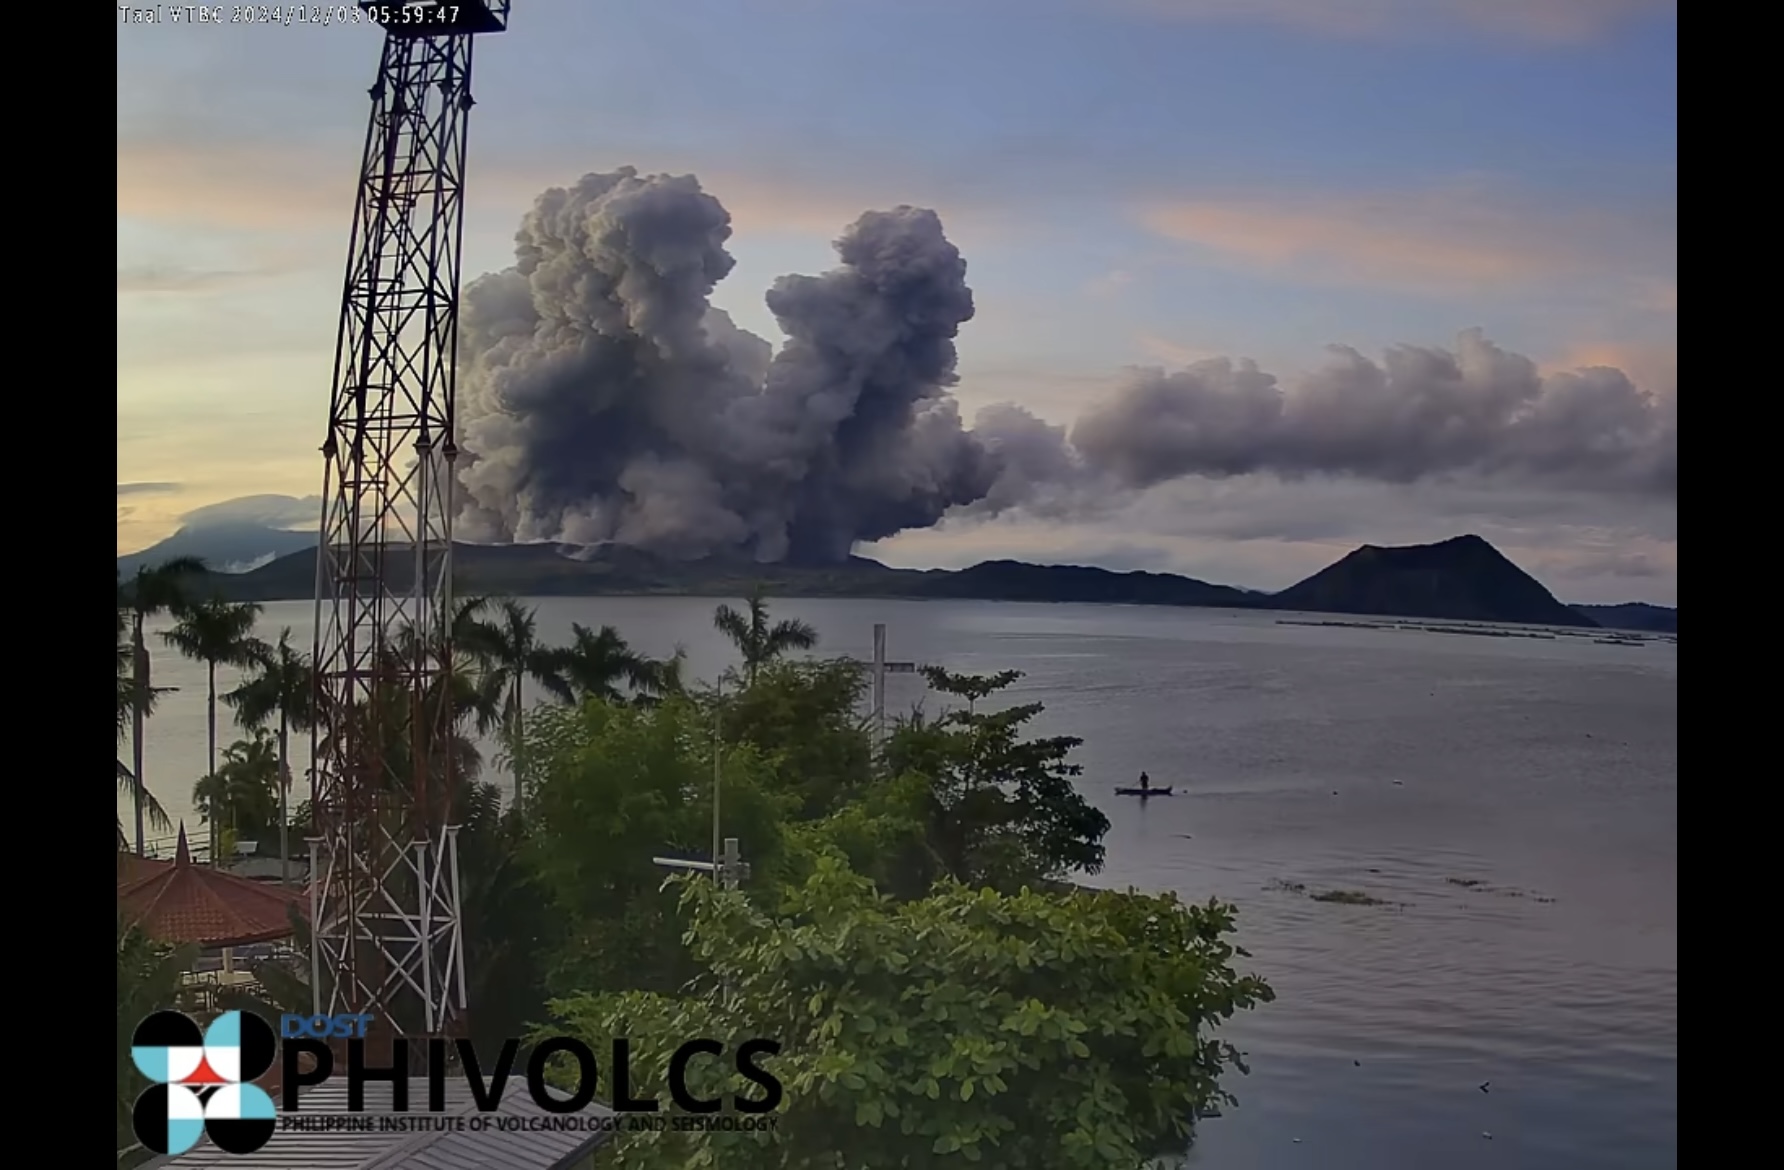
1019,581
548,570
1461,579
227,546
1633,615
1465,579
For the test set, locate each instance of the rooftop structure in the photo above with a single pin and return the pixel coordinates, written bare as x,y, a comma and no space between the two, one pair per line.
132,869
180,902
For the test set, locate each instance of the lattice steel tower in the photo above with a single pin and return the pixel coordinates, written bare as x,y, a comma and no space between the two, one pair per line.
386,936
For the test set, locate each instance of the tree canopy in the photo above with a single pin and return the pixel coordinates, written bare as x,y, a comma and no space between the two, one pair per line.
1026,1031
1000,810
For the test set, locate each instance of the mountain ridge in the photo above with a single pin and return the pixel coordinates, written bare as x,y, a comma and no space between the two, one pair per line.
230,545
1464,578
1634,615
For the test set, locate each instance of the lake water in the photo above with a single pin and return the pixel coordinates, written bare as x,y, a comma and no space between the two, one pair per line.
1514,801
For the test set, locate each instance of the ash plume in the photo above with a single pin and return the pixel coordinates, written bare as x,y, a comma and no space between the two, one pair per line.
602,398
1419,413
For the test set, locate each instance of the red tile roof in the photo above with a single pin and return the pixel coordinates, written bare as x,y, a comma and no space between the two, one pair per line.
180,902
132,869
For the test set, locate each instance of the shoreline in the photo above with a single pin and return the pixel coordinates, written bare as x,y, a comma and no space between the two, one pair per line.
788,589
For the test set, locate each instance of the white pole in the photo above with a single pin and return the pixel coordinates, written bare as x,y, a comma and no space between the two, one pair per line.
425,881
731,869
879,686
717,843
317,877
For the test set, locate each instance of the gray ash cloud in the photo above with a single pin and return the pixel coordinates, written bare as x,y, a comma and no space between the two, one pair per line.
602,397
1419,413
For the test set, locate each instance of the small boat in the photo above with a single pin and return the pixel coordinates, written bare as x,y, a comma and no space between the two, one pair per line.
1144,792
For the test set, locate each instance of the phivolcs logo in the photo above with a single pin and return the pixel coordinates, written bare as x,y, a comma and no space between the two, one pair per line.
199,1082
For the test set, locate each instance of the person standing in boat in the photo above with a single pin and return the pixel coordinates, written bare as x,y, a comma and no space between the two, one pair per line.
1145,782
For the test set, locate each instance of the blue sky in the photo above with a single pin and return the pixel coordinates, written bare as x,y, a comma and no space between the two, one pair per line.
1131,182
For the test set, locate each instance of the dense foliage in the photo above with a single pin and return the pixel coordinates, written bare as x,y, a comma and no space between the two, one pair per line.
1000,810
907,931
240,800
1027,1031
611,788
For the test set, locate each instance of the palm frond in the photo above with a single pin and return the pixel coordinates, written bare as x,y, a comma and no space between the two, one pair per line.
152,812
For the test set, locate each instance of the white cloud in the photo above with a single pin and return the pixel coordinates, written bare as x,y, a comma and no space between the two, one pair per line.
274,511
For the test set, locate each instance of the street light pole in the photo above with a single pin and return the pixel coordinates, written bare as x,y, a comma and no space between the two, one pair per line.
881,668
730,871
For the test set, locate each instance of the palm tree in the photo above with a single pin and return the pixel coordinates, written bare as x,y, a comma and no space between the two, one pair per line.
467,615
598,662
240,795
217,633
283,685
151,591
390,710
664,677
468,684
510,651
146,805
126,683
759,642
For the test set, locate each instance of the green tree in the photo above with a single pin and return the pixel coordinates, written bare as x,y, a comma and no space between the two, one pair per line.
662,679
512,930
448,705
303,819
242,794
510,652
598,664
216,633
151,591
806,717
281,691
760,641
467,613
1063,1031
610,788
151,809
148,808
883,834
126,683
1000,810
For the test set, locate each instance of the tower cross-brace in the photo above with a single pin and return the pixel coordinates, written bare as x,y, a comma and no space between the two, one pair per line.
386,936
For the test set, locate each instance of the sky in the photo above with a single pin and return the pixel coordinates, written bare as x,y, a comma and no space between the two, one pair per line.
1133,183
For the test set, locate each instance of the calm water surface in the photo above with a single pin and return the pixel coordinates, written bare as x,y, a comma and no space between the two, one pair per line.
1396,763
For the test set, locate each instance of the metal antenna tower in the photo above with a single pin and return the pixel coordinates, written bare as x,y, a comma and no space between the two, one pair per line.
386,935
